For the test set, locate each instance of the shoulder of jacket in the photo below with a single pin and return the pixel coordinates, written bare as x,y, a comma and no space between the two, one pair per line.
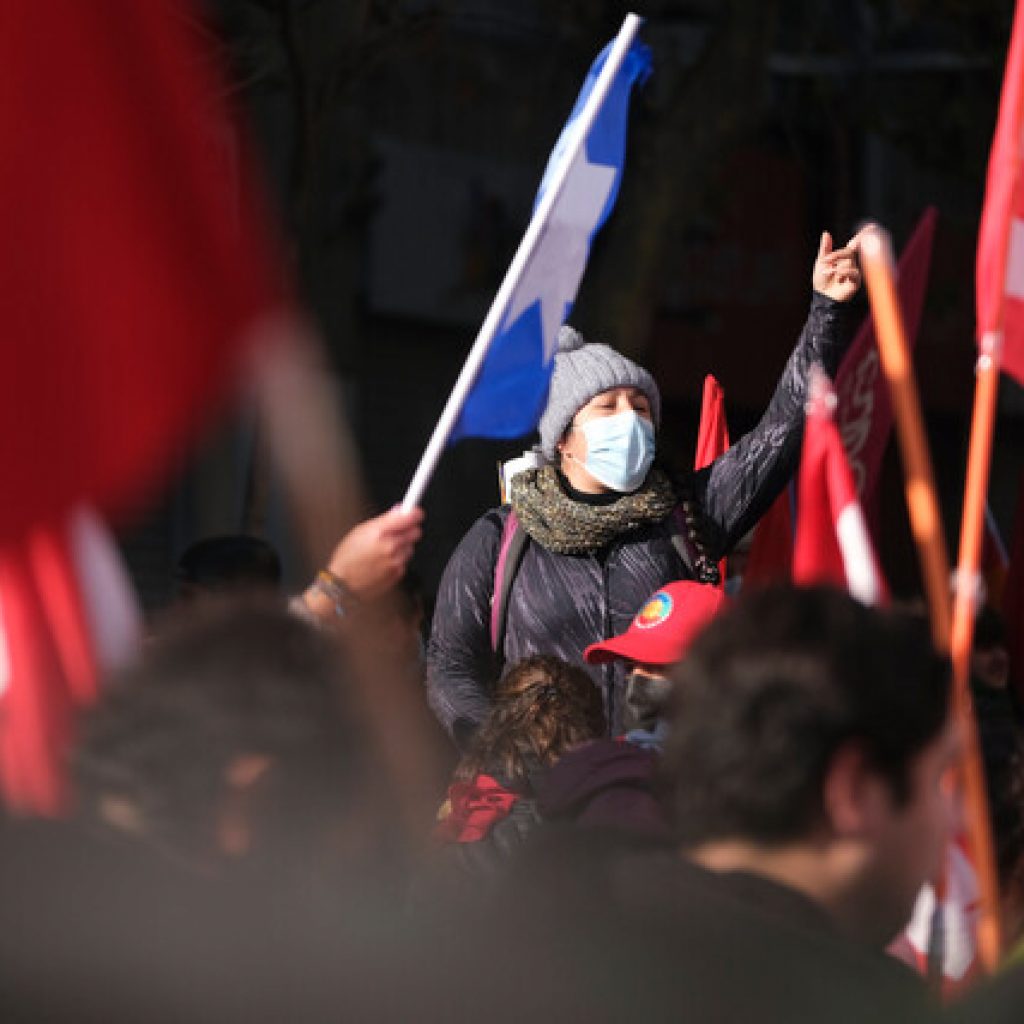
486,527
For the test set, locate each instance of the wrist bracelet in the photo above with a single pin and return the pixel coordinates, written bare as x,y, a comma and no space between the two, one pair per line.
335,590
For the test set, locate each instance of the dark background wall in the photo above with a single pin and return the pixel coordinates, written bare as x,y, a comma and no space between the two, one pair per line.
403,142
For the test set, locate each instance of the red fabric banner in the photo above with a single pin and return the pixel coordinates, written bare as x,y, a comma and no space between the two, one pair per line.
713,431
864,413
1000,264
134,265
771,548
712,434
832,543
48,670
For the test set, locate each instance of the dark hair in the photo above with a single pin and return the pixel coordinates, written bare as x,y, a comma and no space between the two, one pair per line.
772,689
236,681
543,707
228,562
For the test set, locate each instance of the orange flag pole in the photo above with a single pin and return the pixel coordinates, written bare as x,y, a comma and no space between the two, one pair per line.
923,506
951,635
967,593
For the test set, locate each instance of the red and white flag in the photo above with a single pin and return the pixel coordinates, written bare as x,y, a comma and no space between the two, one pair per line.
713,431
946,925
136,273
136,264
771,548
999,271
864,411
68,614
832,542
712,434
833,546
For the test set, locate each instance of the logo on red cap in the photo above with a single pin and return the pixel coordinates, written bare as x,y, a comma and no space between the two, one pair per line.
655,612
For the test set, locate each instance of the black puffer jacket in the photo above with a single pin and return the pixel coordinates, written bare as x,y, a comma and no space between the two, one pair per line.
559,604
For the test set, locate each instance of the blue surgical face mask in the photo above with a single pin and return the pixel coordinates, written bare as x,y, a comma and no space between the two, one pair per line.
620,450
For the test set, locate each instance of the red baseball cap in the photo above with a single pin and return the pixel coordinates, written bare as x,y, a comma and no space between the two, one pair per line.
664,627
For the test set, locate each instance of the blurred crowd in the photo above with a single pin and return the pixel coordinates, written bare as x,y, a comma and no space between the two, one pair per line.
636,798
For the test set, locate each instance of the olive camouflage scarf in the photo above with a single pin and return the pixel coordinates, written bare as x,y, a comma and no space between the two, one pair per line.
567,527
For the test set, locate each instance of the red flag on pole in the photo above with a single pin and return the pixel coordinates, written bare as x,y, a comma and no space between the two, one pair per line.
134,266
833,546
712,434
832,542
1000,264
67,613
955,913
771,548
136,269
864,411
863,414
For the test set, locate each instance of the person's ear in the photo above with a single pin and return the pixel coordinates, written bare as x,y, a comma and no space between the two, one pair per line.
854,795
563,441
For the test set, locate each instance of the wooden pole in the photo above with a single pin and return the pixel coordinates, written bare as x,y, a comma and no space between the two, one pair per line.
951,635
922,504
967,594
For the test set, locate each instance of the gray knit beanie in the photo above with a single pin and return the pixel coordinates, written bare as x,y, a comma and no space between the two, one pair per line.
582,370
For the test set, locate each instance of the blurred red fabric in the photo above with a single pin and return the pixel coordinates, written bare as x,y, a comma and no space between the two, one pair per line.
133,264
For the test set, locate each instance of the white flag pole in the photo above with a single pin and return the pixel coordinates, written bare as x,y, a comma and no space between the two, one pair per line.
467,377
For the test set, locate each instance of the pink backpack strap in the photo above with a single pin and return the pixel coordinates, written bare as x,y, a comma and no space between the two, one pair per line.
510,554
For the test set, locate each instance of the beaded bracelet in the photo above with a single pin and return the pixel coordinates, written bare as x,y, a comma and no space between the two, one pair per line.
334,589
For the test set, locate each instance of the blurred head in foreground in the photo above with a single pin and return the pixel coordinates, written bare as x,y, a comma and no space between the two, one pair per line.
232,736
810,739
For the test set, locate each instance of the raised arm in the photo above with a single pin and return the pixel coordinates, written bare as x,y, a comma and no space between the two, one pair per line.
366,564
739,486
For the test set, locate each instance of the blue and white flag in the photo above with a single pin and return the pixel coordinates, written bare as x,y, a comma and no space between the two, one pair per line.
511,389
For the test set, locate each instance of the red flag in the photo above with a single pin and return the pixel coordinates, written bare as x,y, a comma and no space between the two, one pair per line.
49,669
54,641
771,549
134,267
955,913
864,412
36,708
833,546
1000,265
712,434
832,543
